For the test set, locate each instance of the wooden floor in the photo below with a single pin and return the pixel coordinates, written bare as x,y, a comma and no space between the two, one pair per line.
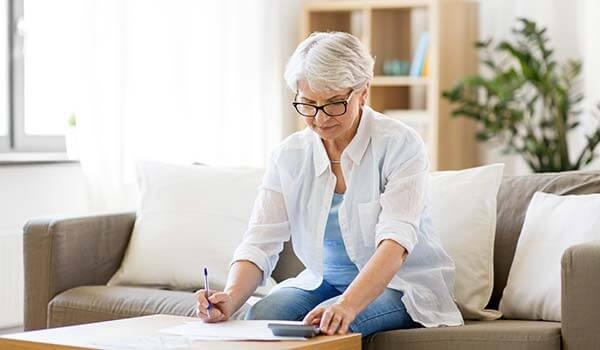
11,330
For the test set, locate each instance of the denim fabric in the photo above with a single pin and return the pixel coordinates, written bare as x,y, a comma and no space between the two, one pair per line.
386,312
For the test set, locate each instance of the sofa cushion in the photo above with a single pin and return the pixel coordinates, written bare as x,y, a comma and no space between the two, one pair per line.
463,215
474,335
552,224
513,199
185,221
103,303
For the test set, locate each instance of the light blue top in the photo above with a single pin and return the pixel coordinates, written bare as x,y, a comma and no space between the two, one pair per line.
338,269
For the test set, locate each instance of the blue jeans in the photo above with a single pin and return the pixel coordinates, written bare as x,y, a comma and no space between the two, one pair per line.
386,312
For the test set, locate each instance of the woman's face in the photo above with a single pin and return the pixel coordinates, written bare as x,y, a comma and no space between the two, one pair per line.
328,127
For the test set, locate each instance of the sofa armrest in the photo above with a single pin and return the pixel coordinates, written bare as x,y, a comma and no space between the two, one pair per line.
62,253
580,304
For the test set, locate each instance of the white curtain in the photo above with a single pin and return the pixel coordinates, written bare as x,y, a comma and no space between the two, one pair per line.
573,27
179,81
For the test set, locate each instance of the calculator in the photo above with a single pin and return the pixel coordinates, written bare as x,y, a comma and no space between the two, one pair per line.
294,330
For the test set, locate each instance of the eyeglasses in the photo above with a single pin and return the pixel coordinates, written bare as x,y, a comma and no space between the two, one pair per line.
332,109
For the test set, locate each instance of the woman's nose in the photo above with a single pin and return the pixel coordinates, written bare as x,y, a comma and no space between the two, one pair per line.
321,117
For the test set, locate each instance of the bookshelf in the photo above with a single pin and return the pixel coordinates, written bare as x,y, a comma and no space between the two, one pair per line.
391,29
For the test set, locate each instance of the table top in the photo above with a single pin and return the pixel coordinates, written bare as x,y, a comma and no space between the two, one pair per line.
84,336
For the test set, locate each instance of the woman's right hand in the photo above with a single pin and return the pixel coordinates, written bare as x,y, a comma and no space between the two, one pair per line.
221,306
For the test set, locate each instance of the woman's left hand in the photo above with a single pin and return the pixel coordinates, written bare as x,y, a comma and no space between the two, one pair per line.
335,317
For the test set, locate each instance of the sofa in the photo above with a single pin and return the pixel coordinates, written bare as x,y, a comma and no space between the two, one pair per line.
68,261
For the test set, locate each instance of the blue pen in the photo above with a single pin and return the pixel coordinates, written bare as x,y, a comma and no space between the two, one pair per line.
206,289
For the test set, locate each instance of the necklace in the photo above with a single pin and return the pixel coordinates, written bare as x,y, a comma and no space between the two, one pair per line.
335,162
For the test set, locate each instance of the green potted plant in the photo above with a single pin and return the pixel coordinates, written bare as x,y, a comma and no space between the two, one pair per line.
528,100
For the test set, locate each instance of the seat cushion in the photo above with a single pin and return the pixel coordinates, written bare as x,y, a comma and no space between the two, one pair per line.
103,303
475,335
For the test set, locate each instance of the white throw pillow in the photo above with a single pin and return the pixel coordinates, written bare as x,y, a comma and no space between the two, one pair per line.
189,216
552,224
463,208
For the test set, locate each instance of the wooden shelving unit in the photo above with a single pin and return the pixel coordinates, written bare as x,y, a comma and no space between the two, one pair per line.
390,29
399,81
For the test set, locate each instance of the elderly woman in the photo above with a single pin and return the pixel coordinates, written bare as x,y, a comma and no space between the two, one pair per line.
351,192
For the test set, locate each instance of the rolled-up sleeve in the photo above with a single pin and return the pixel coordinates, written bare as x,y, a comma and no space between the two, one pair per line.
268,227
403,199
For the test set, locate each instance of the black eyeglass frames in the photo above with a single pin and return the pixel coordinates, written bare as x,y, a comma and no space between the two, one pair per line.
332,109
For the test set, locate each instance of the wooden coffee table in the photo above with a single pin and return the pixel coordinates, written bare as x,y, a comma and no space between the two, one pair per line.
84,336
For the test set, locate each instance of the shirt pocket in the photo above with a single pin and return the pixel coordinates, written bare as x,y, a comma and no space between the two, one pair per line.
368,215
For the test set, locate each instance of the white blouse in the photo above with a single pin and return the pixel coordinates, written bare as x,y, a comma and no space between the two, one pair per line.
385,168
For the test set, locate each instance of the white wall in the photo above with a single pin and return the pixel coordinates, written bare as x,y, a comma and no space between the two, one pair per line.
589,27
573,26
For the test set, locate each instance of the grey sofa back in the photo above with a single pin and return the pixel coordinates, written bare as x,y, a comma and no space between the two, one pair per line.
513,199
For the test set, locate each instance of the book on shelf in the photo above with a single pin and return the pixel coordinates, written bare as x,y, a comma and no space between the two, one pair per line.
418,120
416,67
425,71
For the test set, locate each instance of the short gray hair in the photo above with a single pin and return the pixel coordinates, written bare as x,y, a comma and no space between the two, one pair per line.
330,61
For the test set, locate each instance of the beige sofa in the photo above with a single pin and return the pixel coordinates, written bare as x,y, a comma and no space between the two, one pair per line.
69,260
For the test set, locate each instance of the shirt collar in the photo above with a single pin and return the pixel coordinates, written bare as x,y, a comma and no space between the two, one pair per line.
355,149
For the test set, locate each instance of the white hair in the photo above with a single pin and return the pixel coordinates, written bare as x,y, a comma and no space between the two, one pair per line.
330,61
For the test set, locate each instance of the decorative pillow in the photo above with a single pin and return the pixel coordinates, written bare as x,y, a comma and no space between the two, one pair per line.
189,216
552,224
463,207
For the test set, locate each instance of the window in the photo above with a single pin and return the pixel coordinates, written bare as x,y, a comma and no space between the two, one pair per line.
39,85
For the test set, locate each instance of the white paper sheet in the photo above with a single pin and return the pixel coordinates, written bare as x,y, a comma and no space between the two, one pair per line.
229,330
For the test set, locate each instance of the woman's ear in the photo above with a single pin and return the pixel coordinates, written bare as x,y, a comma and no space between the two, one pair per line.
364,95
